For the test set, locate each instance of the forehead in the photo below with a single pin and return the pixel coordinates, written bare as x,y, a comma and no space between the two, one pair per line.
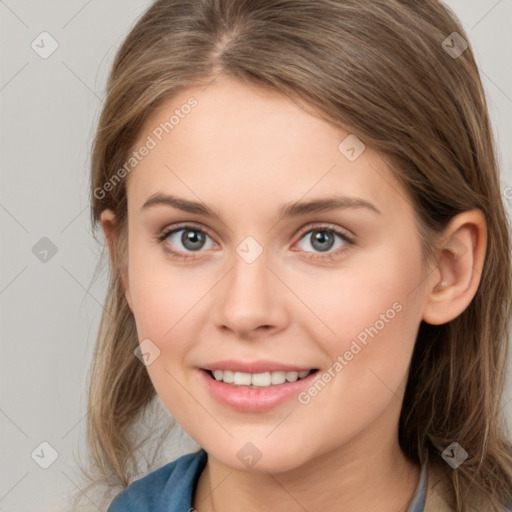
229,141
228,117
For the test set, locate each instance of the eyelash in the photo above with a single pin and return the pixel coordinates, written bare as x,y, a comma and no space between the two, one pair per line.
320,227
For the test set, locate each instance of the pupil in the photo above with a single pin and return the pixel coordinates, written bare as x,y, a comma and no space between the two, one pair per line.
192,239
322,237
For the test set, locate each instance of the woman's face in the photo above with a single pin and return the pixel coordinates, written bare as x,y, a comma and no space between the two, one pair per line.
262,296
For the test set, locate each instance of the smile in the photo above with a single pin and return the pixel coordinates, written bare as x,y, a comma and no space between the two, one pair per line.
258,380
255,390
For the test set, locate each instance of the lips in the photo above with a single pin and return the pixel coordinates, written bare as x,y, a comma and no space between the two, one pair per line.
255,386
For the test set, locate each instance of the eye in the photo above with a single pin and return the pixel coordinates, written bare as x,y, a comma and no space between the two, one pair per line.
323,238
190,239
185,238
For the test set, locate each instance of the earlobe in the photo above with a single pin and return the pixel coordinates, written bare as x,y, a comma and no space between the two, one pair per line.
107,219
458,269
127,294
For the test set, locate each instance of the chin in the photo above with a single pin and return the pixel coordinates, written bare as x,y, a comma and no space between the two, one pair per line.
261,455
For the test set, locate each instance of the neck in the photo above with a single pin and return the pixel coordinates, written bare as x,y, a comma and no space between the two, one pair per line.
365,476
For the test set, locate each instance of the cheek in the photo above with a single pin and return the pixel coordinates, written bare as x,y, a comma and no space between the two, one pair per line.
167,308
166,305
369,293
373,311
162,292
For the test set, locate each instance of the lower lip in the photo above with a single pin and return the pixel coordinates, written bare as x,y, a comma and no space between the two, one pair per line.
254,399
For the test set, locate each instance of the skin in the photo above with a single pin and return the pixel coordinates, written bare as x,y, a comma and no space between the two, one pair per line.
244,152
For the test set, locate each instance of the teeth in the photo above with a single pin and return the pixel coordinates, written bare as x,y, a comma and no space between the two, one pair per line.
278,377
242,379
292,376
228,377
260,380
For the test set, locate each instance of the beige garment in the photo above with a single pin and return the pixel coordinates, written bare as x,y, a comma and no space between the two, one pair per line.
437,491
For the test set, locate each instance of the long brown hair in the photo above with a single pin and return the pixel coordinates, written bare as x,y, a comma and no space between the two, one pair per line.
383,70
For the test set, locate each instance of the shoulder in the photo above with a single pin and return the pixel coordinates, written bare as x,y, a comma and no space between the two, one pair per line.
438,492
168,488
437,497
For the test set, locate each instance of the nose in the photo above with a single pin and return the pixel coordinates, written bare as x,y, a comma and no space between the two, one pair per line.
250,299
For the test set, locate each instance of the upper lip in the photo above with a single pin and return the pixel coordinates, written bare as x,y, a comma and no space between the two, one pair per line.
254,366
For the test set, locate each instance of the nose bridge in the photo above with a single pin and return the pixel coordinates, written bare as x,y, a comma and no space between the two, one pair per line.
248,298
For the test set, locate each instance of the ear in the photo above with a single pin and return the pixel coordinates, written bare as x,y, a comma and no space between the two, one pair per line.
108,219
455,278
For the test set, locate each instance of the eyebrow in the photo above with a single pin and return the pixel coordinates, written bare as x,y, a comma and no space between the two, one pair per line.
288,210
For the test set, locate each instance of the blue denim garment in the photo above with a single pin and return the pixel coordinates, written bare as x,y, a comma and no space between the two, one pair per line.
171,487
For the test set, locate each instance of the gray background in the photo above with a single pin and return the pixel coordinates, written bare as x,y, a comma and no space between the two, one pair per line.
50,310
